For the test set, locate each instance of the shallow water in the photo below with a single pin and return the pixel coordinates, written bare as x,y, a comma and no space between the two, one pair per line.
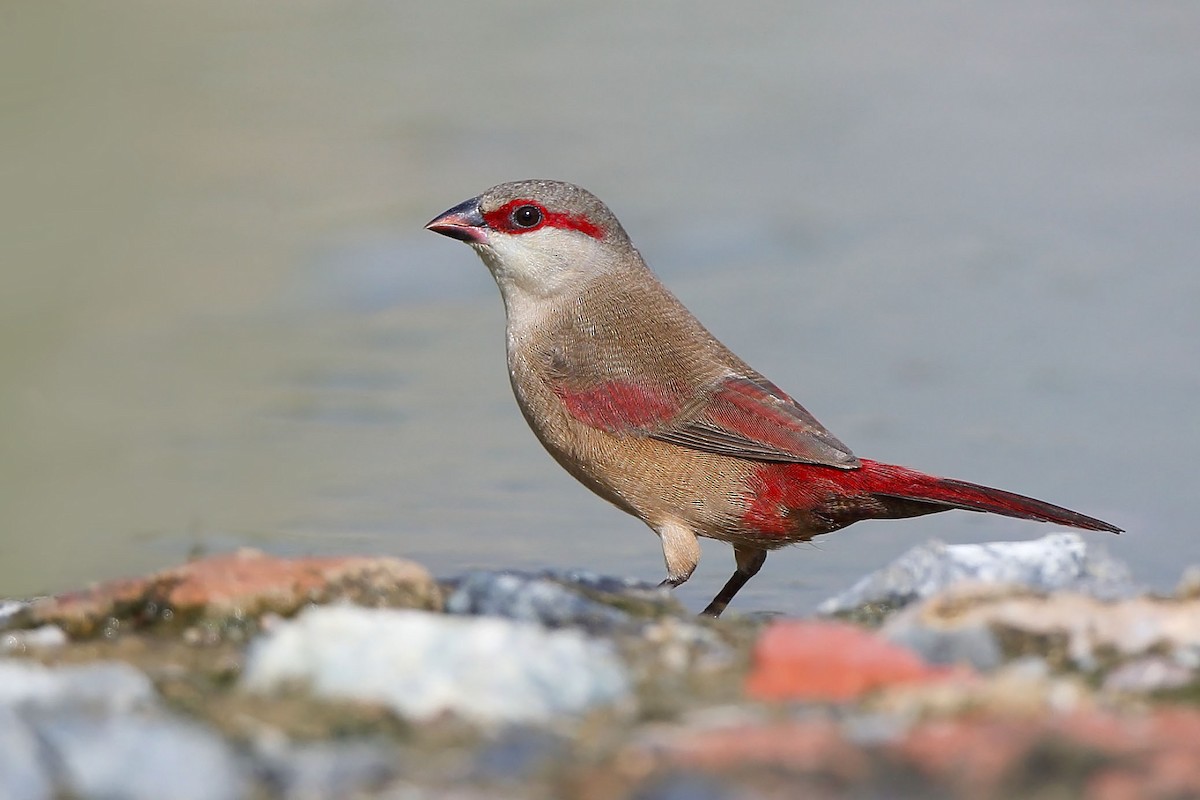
964,237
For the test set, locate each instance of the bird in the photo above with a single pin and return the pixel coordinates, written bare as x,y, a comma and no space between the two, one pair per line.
636,399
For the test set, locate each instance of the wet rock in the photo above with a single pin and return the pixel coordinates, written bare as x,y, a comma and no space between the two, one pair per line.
1060,561
423,665
557,600
96,731
234,588
801,660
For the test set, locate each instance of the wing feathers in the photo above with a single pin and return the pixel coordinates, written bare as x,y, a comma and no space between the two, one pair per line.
738,416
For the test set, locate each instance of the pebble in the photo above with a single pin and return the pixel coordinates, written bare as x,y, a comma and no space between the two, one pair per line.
422,665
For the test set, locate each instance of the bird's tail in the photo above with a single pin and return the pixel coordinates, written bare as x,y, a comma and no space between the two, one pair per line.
922,494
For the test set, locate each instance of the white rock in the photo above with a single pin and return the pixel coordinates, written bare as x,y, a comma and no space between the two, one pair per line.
421,664
100,686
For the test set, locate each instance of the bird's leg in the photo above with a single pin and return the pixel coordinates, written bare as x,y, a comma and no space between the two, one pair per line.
749,562
681,551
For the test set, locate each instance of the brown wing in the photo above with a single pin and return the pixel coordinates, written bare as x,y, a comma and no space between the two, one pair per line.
754,419
742,417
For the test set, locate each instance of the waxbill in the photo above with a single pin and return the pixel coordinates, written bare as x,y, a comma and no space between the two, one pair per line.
636,399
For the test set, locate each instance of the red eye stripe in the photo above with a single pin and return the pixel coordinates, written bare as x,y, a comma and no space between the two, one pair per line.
501,220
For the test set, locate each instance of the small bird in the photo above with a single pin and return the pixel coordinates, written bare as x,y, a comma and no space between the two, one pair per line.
637,400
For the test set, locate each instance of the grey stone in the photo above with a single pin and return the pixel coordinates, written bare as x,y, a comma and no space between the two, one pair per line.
328,769
141,757
9,609
420,664
1054,562
555,600
517,753
975,645
96,730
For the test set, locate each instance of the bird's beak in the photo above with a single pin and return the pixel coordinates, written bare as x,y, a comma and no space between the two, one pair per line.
463,222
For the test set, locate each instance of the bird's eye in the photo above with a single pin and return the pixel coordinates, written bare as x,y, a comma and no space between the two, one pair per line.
526,216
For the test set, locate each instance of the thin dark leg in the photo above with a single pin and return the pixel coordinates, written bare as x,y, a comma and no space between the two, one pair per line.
749,562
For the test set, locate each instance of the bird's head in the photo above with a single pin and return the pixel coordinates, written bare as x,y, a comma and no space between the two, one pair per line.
540,239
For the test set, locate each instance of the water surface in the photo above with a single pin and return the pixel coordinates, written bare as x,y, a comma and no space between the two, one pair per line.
963,236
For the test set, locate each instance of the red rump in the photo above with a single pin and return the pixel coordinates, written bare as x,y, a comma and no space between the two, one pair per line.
617,407
501,220
777,491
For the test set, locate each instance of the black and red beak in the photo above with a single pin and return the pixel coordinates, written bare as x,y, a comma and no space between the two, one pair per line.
463,222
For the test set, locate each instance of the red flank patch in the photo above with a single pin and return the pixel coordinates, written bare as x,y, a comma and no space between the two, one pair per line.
618,407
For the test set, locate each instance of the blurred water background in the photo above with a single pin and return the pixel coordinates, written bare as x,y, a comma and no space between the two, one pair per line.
964,235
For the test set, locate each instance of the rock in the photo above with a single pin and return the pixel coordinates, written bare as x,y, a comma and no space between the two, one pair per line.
684,786
805,745
1070,629
10,609
235,588
1083,753
422,665
516,753
23,773
1147,755
328,769
1145,675
136,756
96,730
595,603
830,661
974,645
531,598
1024,687
43,638
1060,561
102,687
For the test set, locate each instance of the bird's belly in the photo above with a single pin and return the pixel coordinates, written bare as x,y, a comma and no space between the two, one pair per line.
656,481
